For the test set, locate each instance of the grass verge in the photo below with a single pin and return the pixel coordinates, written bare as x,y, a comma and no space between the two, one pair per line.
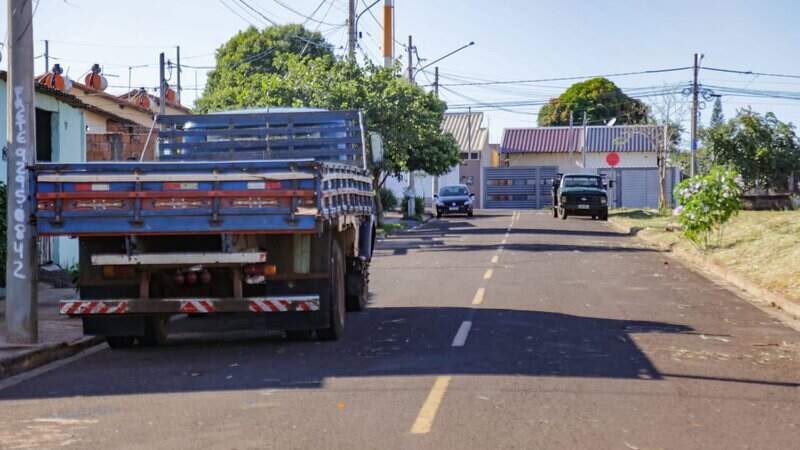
761,246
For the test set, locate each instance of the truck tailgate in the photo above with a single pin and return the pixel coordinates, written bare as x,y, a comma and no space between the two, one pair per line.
138,198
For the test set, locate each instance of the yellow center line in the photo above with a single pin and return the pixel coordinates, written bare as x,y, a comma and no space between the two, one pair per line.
478,299
428,411
488,274
495,258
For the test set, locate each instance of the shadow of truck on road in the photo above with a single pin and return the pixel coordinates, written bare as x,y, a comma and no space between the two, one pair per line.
379,342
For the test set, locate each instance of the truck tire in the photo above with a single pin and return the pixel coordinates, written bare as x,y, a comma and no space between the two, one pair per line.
357,289
299,335
336,296
155,330
117,342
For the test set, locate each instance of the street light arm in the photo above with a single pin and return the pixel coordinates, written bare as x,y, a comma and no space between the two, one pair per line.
441,58
362,13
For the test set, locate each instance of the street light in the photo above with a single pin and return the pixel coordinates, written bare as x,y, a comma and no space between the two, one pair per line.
414,74
411,187
355,26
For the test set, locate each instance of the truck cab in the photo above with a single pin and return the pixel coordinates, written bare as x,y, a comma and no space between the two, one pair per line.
580,195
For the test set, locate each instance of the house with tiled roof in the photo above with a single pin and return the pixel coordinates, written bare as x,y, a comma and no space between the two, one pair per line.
577,148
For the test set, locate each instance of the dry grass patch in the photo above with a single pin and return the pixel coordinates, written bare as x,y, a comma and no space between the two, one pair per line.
763,246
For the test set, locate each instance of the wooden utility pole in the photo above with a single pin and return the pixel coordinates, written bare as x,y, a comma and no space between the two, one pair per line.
21,255
693,167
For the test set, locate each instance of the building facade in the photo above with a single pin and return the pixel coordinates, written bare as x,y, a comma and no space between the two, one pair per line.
60,137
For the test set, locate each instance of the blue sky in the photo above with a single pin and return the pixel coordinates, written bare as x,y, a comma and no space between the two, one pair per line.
514,40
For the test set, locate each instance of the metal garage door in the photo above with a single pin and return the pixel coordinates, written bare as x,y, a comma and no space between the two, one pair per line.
637,187
518,187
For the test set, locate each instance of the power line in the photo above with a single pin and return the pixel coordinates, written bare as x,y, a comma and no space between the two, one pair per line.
230,8
583,77
250,7
308,18
748,72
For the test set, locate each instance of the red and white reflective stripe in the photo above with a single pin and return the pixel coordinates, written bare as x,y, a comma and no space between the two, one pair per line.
300,303
284,305
93,307
197,306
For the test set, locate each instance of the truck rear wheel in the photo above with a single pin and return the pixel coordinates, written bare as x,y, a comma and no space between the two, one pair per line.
357,286
336,296
117,342
155,330
299,335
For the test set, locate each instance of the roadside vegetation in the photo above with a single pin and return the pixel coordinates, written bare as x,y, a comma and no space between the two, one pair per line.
762,246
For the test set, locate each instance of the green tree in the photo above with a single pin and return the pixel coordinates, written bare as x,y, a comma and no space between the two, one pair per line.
601,99
717,118
252,52
764,150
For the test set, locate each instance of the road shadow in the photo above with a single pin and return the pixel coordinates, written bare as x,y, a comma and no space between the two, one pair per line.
537,247
378,342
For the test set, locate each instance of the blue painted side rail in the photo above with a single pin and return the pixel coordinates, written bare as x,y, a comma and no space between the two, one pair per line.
145,198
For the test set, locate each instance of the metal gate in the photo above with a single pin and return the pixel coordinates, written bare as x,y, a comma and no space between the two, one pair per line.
518,187
637,187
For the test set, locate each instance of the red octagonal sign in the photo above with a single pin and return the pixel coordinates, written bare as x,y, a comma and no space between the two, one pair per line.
612,159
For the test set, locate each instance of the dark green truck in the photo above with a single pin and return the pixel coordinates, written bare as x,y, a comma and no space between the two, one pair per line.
580,195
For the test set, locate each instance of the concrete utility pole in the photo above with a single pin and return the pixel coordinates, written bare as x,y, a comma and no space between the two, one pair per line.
388,33
162,85
46,56
411,204
583,142
21,255
436,81
410,59
693,167
178,59
351,30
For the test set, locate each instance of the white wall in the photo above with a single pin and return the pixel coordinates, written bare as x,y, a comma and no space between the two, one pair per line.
626,159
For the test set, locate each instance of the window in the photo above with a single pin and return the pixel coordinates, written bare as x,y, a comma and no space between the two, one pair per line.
453,191
582,181
44,135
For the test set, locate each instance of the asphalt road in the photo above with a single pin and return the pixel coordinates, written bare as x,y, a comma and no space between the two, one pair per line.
505,330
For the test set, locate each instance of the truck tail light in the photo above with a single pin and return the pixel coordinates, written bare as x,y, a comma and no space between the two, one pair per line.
260,269
118,272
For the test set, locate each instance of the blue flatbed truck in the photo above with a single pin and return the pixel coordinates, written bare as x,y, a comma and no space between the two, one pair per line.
265,213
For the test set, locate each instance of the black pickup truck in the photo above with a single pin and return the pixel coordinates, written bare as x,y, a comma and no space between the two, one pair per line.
580,195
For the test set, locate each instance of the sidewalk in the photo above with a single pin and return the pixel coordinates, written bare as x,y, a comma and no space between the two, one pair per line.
59,336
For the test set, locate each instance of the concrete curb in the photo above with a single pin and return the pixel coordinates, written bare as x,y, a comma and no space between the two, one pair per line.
425,219
45,355
757,295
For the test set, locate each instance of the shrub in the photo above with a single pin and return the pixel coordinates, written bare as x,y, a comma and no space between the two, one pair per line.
419,207
706,202
388,200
